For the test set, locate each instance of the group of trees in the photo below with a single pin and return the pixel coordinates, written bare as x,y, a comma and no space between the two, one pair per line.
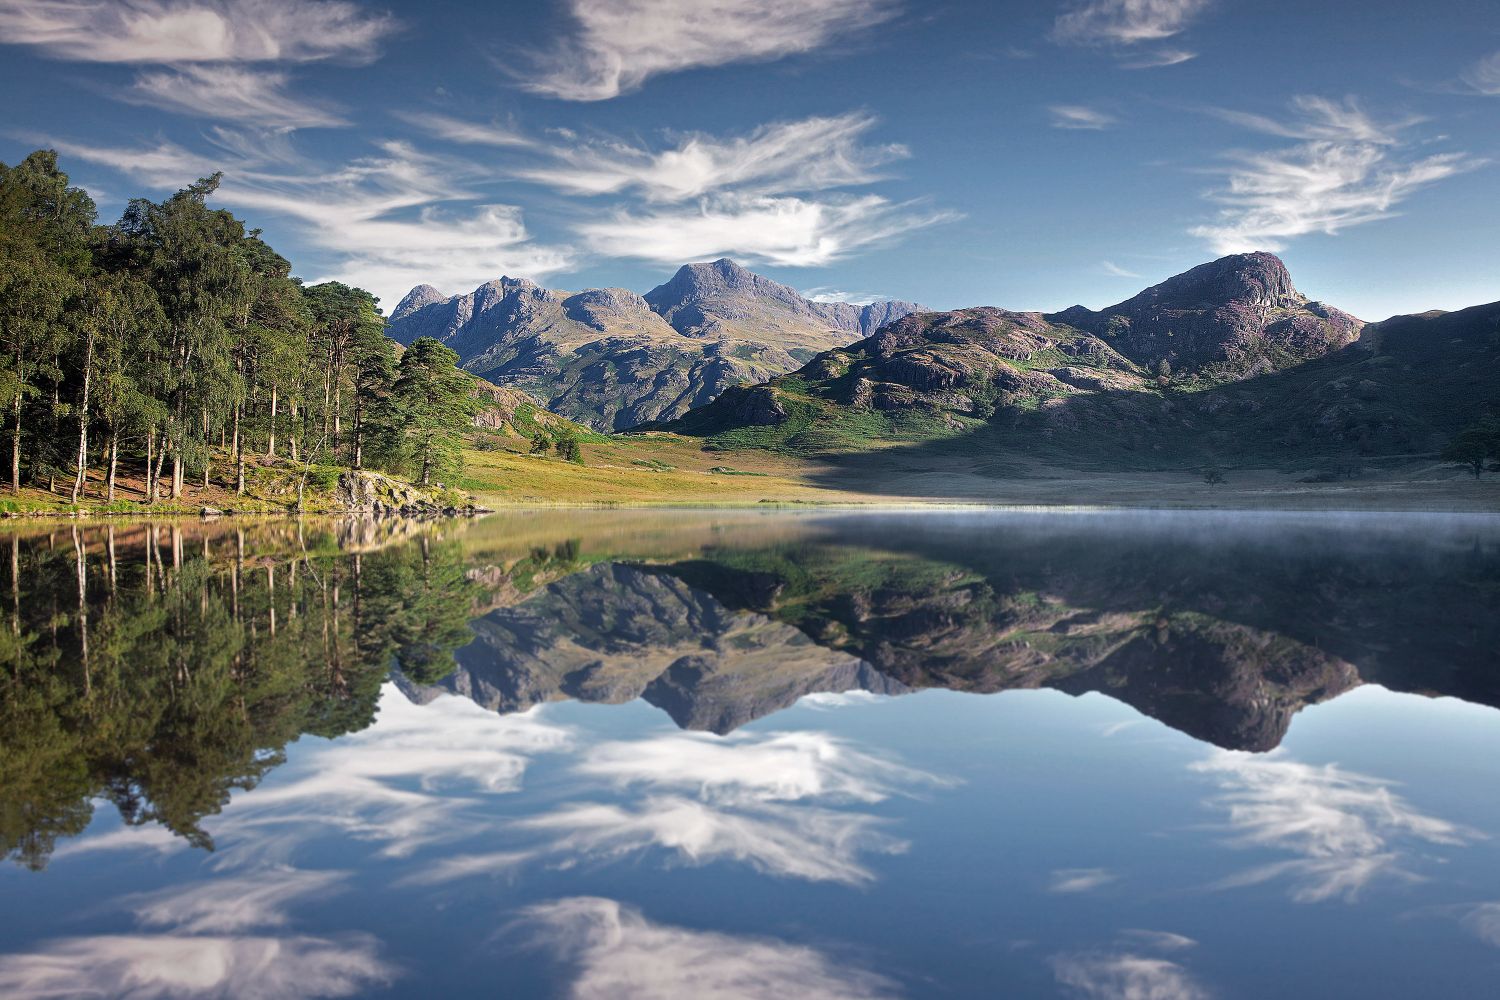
178,340
1475,445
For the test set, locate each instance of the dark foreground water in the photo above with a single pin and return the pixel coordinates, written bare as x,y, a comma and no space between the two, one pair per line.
754,755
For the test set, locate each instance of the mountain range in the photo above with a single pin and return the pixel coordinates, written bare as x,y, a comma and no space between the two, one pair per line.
612,359
1226,362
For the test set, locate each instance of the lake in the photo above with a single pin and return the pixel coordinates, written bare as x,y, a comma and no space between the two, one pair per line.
753,754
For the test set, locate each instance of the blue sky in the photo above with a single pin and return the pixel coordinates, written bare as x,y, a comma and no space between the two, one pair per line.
1029,155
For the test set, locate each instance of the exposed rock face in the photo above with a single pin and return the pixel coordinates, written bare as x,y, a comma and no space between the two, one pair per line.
608,358
1237,316
615,633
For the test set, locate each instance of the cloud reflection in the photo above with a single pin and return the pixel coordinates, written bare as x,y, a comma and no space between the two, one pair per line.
621,955
1344,829
145,967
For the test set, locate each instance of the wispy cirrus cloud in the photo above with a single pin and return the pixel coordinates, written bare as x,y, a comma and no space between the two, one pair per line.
620,953
1077,116
231,93
1126,976
1073,880
811,154
205,48
1131,29
466,132
761,801
774,195
190,31
618,44
1343,830
786,231
388,221
1347,168
171,966
1484,76
1119,272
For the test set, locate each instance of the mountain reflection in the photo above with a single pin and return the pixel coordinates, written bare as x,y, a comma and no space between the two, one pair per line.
159,668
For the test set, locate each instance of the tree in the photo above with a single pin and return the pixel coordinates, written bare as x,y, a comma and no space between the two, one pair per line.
1213,476
44,230
1473,445
433,405
568,449
540,443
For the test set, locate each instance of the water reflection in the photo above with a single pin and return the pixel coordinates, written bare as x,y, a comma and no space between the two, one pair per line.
732,755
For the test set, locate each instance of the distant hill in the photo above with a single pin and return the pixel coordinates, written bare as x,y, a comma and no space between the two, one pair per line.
1227,362
612,359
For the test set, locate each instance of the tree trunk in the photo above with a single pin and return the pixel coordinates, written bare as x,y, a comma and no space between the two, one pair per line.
81,479
271,443
114,464
15,446
151,465
239,455
177,471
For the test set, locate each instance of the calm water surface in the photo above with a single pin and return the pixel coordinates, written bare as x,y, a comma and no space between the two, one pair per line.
628,754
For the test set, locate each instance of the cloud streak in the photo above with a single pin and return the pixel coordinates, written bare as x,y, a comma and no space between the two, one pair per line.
1130,28
619,953
1076,116
618,44
191,31
783,231
231,93
1344,830
1346,169
813,154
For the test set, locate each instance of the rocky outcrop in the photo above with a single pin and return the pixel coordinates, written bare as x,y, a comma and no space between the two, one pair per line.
366,492
1230,318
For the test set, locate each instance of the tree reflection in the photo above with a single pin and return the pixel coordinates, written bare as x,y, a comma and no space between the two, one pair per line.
161,667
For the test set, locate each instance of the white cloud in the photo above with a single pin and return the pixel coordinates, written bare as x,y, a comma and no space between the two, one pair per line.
1069,880
1157,58
623,956
1347,169
1126,976
841,699
1483,921
381,216
618,44
187,31
1343,829
231,93
1158,940
784,231
466,132
1132,29
1119,272
756,800
1125,22
813,154
802,841
172,966
223,905
461,867
362,784
1076,116
776,767
1484,76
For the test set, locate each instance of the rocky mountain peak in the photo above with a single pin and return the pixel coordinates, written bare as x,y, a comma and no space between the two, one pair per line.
417,298
1259,279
